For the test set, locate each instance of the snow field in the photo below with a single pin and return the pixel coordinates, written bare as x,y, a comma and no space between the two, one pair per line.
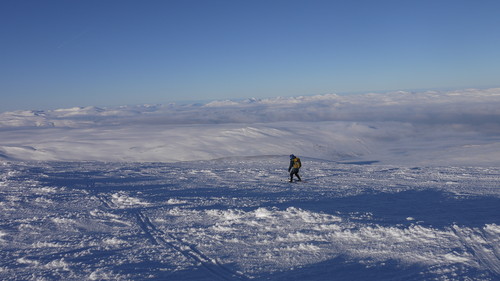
239,219
397,186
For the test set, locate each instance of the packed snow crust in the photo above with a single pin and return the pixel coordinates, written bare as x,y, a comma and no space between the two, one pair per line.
239,219
397,186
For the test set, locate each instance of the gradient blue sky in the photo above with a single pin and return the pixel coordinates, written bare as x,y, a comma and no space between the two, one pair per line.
113,52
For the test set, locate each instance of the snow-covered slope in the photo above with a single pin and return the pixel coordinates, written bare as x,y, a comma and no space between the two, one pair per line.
239,219
397,186
428,128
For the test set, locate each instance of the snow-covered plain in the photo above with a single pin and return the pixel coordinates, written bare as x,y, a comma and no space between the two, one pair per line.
397,186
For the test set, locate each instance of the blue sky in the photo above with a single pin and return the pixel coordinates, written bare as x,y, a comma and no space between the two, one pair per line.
91,52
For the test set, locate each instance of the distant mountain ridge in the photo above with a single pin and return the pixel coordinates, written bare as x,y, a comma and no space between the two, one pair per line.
472,106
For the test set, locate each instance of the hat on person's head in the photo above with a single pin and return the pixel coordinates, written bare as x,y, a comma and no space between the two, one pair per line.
292,156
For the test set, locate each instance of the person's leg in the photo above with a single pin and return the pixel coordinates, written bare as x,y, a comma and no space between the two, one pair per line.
295,172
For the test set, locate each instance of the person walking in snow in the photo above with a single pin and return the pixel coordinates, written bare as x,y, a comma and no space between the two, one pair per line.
294,167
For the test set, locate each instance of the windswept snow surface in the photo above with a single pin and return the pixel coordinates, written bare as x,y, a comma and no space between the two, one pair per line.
239,219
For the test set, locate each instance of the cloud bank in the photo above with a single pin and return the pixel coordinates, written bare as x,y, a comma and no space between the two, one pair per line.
475,107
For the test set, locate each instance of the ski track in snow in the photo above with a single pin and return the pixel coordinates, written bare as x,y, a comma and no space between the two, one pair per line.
239,219
189,251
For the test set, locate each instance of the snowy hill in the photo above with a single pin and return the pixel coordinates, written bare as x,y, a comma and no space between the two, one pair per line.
428,128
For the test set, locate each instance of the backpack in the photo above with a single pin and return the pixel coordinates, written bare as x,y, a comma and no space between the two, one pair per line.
296,163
